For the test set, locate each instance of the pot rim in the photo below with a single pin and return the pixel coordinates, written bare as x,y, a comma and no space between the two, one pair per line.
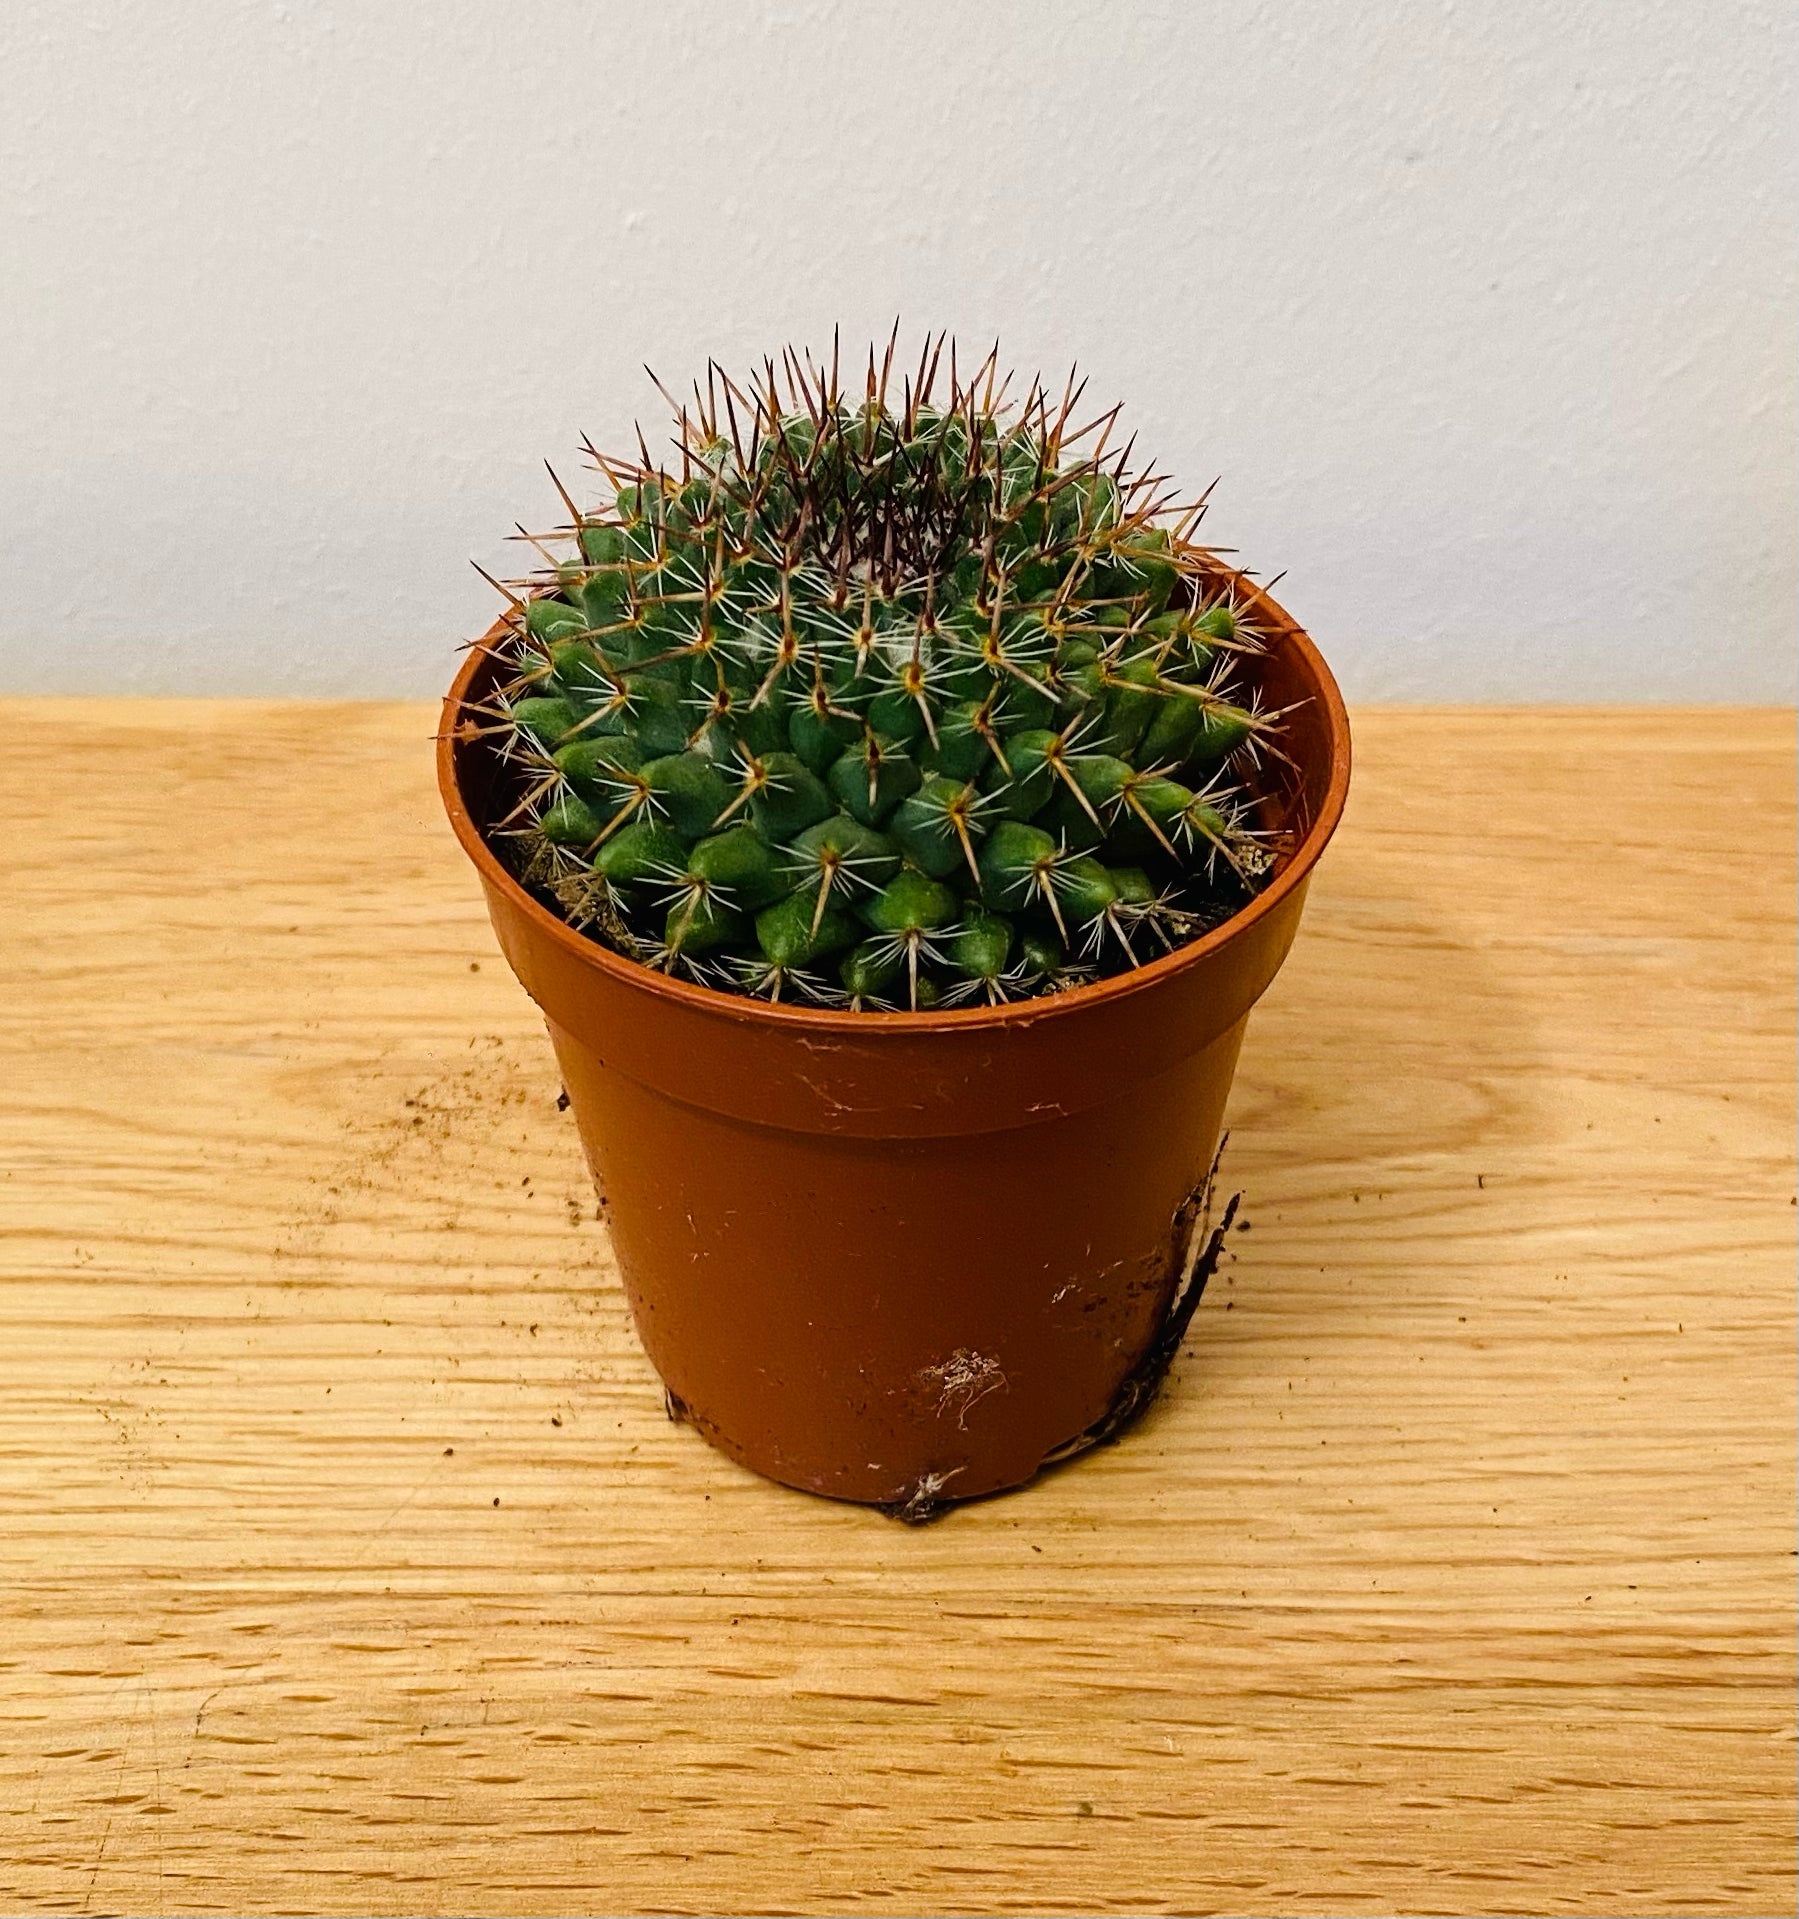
869,1026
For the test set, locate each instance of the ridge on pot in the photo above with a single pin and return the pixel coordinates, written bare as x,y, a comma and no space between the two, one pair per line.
908,1257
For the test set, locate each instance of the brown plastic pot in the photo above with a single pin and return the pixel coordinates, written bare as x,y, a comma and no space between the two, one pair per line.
907,1257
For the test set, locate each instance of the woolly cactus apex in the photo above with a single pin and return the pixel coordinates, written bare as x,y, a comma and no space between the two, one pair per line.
887,699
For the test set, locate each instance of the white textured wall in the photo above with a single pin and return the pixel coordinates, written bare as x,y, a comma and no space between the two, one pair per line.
1485,313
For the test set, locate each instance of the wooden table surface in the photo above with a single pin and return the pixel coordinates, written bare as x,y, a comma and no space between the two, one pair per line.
348,1563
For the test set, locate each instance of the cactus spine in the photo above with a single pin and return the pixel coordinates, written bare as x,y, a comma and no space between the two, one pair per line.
915,700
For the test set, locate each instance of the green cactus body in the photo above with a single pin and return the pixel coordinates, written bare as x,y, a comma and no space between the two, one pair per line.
1085,889
1073,823
550,620
871,778
740,865
939,826
818,733
546,722
1147,818
908,910
1172,734
699,923
592,766
570,821
788,798
891,703
790,935
963,744
582,673
687,790
1017,866
1026,783
909,906
1132,698
1223,729
655,719
976,950
641,854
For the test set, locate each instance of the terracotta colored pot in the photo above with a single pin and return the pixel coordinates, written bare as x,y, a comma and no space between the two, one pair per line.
907,1257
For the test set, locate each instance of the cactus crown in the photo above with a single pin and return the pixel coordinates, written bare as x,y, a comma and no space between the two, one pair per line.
900,701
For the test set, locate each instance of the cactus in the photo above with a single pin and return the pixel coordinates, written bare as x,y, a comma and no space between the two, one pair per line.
887,703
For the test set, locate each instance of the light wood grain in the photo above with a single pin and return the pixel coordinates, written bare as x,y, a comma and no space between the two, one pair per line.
350,1565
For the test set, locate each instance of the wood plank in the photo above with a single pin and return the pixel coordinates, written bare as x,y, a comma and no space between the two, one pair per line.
349,1564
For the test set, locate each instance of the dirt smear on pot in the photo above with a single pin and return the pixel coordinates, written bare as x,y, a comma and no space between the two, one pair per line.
1202,1247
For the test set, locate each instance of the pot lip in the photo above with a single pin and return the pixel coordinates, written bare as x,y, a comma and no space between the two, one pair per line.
1016,1014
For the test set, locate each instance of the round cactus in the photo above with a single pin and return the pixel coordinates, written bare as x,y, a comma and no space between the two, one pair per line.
888,703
